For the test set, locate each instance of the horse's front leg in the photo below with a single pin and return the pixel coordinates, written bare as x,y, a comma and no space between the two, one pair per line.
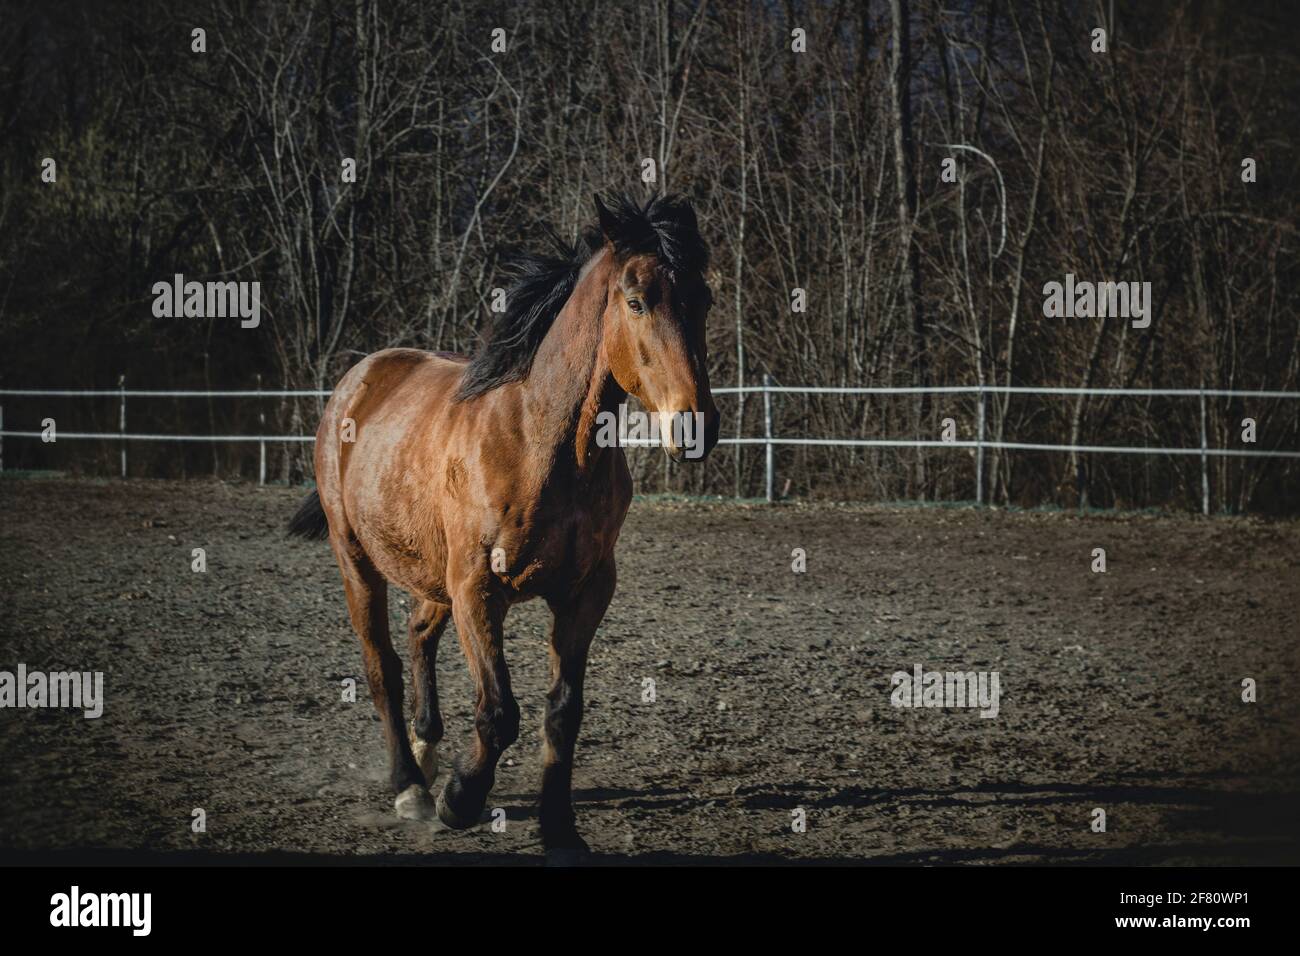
575,625
479,617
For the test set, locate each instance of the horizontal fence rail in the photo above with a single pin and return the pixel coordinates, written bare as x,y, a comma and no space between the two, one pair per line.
769,440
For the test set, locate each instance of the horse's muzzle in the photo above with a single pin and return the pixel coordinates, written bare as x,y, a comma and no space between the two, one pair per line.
697,440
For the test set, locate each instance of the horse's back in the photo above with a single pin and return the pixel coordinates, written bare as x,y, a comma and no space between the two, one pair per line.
382,397
401,375
390,366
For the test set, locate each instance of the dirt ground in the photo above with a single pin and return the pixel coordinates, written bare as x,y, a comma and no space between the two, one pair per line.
1120,691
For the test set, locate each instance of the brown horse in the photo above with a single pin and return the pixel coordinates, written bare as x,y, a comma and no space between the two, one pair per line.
476,484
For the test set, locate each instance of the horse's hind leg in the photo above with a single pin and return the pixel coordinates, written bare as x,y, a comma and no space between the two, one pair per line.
479,620
428,621
367,594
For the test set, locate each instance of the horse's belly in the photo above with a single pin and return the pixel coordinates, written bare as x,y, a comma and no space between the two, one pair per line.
414,563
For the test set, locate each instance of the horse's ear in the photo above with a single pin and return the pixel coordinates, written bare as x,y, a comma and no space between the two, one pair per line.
605,218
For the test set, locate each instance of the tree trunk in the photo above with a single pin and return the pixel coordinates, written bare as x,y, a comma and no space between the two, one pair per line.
905,182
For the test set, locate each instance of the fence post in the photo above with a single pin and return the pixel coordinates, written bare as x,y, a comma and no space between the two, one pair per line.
979,451
767,432
121,420
1205,473
2,439
261,445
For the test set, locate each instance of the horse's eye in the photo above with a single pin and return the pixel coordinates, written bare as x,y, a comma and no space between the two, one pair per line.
637,306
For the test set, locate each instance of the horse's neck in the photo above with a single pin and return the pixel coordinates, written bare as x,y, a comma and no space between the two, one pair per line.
570,382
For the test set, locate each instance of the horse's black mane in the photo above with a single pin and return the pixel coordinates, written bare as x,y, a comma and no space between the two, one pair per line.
664,226
542,282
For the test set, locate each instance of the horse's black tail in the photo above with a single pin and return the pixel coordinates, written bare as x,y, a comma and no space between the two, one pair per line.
310,521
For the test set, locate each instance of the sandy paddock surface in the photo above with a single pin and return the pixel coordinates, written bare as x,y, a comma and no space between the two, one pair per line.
1119,691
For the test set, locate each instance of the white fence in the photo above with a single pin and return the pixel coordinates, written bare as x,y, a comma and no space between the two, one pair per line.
768,440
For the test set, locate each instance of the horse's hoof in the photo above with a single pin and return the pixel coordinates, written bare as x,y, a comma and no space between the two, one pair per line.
568,850
568,855
450,817
426,755
414,803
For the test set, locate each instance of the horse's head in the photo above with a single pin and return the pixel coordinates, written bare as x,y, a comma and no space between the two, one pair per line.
654,316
